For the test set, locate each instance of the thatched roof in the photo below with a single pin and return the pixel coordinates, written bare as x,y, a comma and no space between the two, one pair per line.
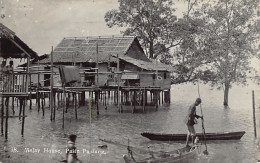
12,46
150,66
84,49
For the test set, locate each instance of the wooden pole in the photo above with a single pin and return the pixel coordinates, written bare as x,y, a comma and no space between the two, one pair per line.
21,107
23,119
38,85
162,96
118,81
96,99
90,122
64,106
54,105
7,114
30,95
42,94
51,84
13,105
97,66
2,116
75,105
143,99
134,100
253,98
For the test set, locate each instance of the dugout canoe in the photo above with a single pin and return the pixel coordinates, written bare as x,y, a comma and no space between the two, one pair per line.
182,137
179,155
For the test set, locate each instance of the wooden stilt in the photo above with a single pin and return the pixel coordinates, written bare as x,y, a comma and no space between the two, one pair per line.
121,102
75,105
2,115
162,96
23,118
30,95
64,107
38,100
97,92
67,101
151,96
43,109
134,101
42,101
143,100
21,107
156,99
13,105
254,121
105,100
61,99
58,99
7,114
43,98
83,97
159,97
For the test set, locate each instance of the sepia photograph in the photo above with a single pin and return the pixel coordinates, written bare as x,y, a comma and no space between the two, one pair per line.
130,81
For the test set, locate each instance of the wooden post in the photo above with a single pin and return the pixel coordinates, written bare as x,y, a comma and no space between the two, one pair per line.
54,105
156,99
42,94
7,114
83,97
38,100
105,100
97,66
96,99
75,104
37,89
143,99
64,106
23,119
51,84
114,97
90,121
169,90
58,99
253,98
118,81
30,95
13,105
21,108
2,115
159,97
162,96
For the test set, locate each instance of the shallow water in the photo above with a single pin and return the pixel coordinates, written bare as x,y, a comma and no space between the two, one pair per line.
50,139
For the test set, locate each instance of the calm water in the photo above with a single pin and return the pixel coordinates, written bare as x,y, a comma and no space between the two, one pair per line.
46,136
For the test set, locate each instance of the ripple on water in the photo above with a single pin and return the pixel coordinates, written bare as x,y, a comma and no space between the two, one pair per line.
111,125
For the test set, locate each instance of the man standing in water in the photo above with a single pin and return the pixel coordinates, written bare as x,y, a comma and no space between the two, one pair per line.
190,121
71,151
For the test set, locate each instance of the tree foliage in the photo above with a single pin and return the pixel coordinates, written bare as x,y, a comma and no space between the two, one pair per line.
152,21
228,36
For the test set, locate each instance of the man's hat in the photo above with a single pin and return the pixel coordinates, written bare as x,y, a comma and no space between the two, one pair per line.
198,100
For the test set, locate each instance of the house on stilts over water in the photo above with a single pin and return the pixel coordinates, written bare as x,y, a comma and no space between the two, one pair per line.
14,84
115,63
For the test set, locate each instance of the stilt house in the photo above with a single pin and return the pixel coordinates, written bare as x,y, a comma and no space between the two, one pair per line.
13,83
110,61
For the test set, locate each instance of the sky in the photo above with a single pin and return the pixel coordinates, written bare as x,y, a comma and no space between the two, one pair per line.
42,24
